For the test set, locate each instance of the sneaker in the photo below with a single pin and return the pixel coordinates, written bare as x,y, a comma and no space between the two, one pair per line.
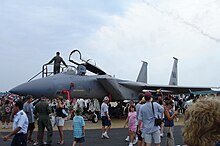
36,143
3,126
130,144
105,135
127,139
30,141
135,140
161,134
102,136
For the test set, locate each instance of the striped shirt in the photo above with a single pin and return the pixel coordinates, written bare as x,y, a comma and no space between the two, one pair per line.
78,123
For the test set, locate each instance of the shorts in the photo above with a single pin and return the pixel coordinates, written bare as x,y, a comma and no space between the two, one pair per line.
79,140
155,135
105,121
31,126
59,121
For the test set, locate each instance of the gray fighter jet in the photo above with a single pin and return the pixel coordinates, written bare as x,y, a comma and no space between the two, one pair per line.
74,83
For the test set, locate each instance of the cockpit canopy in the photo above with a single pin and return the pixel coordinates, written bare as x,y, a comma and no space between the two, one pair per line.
80,70
70,71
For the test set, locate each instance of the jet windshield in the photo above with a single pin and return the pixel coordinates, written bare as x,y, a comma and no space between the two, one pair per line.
70,71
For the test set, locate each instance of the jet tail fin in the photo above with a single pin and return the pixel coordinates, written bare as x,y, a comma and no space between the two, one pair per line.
142,76
173,76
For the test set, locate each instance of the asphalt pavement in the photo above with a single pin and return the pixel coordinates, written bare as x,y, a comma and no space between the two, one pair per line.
93,137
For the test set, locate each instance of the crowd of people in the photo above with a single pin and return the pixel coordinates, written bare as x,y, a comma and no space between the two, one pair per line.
155,116
148,120
24,112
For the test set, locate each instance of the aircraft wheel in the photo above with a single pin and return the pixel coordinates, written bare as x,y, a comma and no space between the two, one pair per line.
95,118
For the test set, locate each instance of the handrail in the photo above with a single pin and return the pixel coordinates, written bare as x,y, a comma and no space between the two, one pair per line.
35,76
41,72
45,71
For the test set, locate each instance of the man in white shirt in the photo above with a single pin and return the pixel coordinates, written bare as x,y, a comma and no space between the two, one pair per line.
106,121
20,126
189,101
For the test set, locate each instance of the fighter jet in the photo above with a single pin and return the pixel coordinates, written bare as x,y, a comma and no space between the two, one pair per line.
74,83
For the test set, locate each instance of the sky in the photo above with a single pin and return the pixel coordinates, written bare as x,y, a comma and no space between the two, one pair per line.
116,34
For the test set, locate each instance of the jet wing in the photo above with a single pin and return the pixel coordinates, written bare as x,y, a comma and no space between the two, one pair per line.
117,91
110,86
172,88
121,90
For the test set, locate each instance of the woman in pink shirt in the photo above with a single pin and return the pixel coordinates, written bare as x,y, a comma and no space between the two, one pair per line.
132,123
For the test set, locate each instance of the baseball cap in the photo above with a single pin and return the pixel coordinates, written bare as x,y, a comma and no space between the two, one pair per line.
147,94
105,98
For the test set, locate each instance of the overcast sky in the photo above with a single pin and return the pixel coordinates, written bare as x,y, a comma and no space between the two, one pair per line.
117,34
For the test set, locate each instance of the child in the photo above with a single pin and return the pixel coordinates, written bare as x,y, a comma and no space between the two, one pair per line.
78,129
132,124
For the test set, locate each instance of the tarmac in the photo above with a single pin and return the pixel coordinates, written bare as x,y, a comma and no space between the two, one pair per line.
93,134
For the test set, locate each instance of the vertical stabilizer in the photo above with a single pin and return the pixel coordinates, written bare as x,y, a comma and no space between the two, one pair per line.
173,77
142,76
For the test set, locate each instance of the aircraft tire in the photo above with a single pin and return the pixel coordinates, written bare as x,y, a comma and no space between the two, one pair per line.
95,119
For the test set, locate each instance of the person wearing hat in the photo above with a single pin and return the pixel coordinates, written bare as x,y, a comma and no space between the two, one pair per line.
147,116
106,121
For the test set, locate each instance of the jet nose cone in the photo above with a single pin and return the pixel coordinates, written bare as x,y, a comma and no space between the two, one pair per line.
37,88
16,90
